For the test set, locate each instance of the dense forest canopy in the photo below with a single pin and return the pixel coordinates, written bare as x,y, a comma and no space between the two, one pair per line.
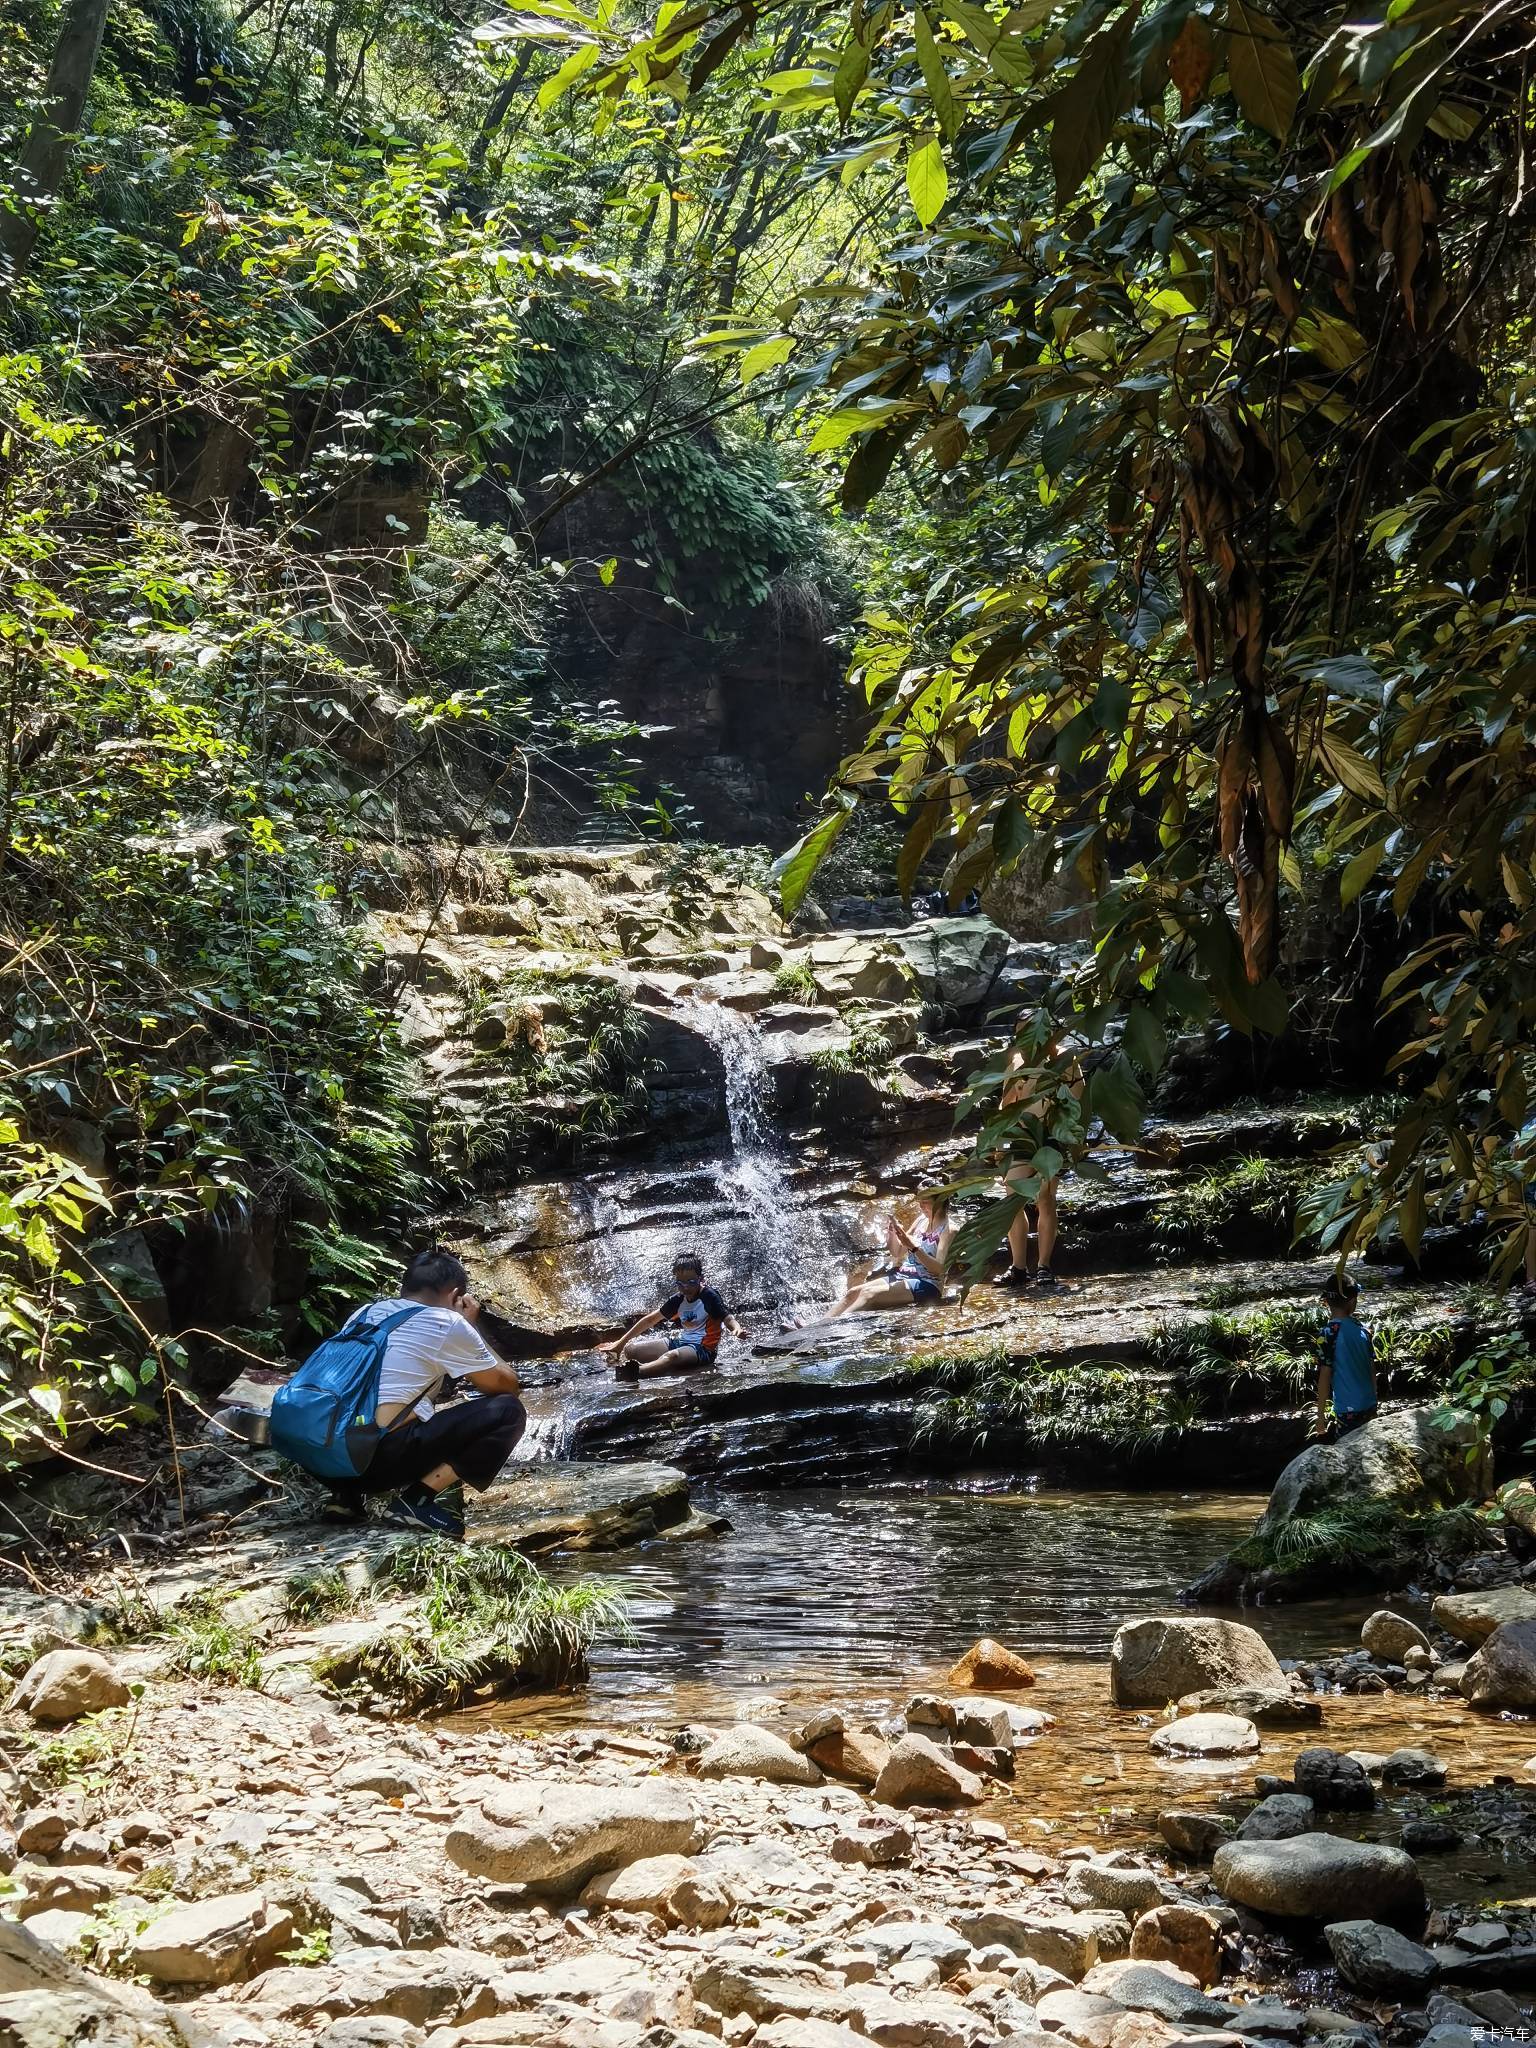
1161,374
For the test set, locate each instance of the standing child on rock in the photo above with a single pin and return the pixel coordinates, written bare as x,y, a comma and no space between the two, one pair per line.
1346,1374
697,1317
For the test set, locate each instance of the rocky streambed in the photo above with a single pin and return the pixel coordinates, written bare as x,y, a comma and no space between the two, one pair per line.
202,1863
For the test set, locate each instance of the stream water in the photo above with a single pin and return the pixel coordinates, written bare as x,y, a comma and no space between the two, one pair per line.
862,1596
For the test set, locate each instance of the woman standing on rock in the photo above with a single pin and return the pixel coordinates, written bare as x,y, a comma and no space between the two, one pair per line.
1037,1095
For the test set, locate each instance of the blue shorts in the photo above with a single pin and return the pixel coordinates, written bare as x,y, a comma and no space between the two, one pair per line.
921,1291
678,1340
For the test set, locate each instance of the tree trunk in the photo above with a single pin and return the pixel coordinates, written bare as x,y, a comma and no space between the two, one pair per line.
45,152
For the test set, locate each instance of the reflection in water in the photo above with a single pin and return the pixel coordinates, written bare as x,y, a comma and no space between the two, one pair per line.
821,1589
863,1596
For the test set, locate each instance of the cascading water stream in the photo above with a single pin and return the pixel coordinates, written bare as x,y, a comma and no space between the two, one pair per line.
773,1256
791,1261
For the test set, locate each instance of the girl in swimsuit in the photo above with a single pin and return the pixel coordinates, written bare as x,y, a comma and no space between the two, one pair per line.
915,1276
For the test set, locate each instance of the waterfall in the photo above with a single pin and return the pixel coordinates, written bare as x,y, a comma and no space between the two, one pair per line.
790,1260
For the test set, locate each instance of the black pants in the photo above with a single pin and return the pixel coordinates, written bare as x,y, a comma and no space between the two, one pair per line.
1356,1418
476,1437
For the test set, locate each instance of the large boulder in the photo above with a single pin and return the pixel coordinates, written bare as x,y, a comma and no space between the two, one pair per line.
1502,1675
578,1504
1391,1636
672,1887
48,2002
1415,1459
552,1836
990,1666
954,960
1155,1988
1279,1818
1166,1656
1189,1832
1205,1735
1069,1942
215,1941
1322,1877
748,1751
1183,1936
918,1773
1472,1617
67,1683
1330,1778
1267,1706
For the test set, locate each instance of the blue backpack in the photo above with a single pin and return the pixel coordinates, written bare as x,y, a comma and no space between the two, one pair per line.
323,1418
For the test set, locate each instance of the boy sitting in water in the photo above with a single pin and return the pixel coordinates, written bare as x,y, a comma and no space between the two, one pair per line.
1346,1377
696,1316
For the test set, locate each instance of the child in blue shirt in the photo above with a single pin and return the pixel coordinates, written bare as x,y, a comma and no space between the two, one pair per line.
1346,1377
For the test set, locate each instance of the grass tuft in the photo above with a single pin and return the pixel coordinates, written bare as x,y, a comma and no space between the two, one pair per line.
205,1643
317,1596
796,978
487,1616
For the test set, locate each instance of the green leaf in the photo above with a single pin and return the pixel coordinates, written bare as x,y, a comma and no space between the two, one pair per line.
921,833
793,870
1266,1005
575,65
927,180
1011,832
1145,1039
848,80
1262,69
941,93
1114,1096
842,425
1360,871
766,356
1352,769
1084,112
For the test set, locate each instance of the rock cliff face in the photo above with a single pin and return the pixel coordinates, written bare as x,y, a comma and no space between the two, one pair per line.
741,709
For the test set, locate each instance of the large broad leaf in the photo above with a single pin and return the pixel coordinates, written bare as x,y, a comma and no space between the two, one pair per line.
1145,1039
927,181
794,870
941,93
870,463
1191,61
925,827
766,356
1262,69
1352,769
848,80
1084,112
1115,1098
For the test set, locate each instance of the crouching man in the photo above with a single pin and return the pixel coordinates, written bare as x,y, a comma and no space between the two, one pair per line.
425,1450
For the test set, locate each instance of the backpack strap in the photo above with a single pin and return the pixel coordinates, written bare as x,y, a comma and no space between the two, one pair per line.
381,1334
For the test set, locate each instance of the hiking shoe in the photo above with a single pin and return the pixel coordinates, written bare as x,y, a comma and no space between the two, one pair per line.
1017,1276
344,1505
418,1509
1046,1278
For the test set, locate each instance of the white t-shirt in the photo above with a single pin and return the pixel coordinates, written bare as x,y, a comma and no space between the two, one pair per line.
427,1345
